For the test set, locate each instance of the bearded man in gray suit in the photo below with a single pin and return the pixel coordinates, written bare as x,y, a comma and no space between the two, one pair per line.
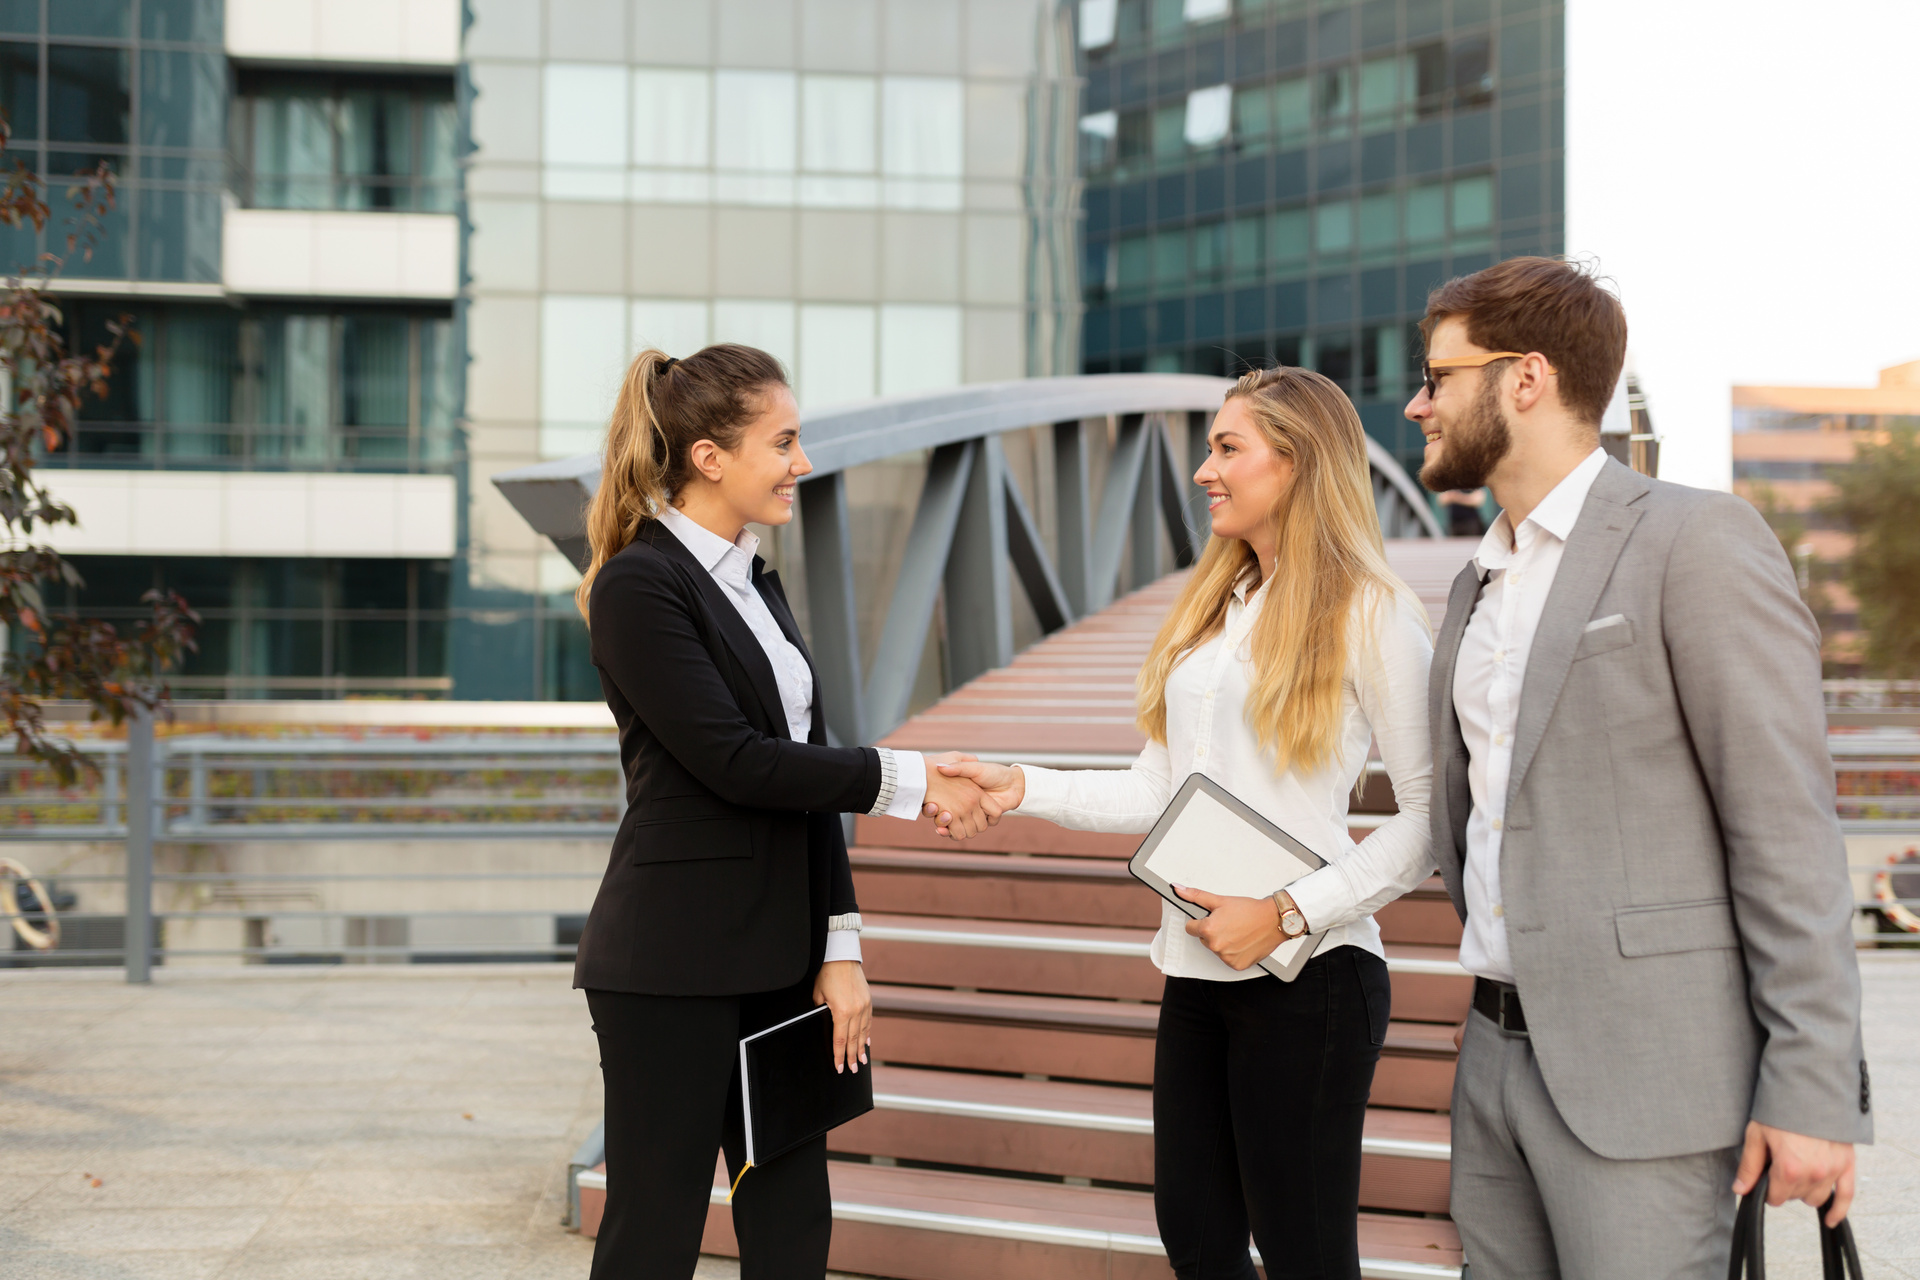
1633,811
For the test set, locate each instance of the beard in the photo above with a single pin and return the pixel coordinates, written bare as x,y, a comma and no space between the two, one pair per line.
1473,447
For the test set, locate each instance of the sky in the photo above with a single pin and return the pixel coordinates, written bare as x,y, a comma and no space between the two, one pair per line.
1748,174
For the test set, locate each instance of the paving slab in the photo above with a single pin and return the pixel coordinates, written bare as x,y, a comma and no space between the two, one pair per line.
290,1123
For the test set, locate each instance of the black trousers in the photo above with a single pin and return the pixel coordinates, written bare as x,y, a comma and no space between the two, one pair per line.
671,1066
1259,1096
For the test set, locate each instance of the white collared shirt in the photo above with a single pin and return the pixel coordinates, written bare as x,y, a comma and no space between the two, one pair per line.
1384,699
730,564
1517,567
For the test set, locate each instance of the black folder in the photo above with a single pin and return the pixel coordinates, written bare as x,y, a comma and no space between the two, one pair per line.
789,1091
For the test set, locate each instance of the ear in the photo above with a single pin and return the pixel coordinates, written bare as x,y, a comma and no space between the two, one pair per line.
705,456
1530,379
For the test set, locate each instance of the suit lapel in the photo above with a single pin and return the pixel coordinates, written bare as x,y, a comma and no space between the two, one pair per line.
733,628
1441,714
1598,537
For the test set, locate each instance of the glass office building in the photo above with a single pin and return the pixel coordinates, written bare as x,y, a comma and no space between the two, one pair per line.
1287,180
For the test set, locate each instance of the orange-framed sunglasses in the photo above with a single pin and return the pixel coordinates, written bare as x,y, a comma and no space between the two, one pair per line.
1432,384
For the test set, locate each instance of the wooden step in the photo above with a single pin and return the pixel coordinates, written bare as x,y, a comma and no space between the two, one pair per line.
924,1224
1103,1041
962,880
1100,1132
1014,834
1082,960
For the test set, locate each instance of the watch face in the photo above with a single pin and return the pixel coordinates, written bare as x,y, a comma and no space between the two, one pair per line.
1293,923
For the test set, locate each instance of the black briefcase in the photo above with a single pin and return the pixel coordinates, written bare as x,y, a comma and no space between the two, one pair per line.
1839,1259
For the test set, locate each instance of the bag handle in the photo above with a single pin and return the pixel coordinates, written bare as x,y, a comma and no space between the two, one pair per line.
1839,1257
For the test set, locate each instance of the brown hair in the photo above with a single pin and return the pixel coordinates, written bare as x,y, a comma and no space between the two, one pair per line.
1329,563
665,407
1549,305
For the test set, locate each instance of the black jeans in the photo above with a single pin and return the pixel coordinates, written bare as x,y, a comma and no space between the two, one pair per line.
671,1066
1259,1096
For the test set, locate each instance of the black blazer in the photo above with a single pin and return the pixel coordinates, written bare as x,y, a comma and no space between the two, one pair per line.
731,855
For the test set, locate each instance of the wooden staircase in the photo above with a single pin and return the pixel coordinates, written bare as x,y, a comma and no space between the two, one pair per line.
1015,1011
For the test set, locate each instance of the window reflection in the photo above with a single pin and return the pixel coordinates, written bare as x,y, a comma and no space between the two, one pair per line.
324,143
87,98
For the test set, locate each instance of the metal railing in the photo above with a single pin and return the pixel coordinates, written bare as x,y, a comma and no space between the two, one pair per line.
225,808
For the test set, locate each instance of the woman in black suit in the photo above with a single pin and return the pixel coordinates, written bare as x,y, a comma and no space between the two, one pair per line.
728,903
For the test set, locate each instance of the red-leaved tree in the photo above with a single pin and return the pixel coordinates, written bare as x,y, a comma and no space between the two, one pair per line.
42,386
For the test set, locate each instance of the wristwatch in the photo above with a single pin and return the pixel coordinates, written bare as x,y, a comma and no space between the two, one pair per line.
1292,923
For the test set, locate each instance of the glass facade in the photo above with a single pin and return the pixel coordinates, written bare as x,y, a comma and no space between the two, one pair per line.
288,628
142,86
1287,180
269,387
303,141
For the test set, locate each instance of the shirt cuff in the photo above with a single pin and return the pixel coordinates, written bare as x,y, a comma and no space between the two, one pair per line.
1323,898
909,770
842,944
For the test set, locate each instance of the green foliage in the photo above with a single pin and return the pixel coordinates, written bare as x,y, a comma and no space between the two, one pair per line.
1790,527
1879,498
42,386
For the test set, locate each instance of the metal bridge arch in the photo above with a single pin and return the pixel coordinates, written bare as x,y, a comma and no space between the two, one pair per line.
973,522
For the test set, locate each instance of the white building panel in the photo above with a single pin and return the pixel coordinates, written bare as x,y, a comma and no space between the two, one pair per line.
325,253
244,513
422,33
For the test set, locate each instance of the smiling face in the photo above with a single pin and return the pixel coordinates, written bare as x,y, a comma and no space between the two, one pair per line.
1245,478
1463,420
757,479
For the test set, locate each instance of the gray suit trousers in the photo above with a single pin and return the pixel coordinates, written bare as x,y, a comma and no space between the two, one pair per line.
1533,1202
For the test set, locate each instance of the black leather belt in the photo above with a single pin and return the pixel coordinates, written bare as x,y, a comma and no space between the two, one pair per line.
1500,1004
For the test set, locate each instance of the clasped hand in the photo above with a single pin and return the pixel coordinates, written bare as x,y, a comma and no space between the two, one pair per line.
965,796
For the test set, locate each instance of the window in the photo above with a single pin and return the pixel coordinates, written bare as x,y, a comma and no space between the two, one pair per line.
1472,204
1472,60
320,142
1099,135
1209,252
1170,134
837,124
919,349
1136,264
754,121
1379,222
1253,116
271,387
1097,23
20,88
1380,89
1170,259
1204,10
676,327
1333,228
1244,234
1427,213
1292,111
672,119
583,355
836,354
1288,237
1336,98
766,325
288,628
88,94
922,127
1136,136
1209,113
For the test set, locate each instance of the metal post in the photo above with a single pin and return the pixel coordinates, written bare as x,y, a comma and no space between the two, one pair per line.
832,615
141,813
979,598
1116,508
1073,502
197,790
1146,512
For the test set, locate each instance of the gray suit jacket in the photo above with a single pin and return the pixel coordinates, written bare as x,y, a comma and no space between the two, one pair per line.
1676,893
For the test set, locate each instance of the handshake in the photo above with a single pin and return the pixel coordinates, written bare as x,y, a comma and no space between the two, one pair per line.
965,795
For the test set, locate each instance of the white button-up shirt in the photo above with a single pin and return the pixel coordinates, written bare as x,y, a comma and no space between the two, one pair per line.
1517,567
1384,699
730,564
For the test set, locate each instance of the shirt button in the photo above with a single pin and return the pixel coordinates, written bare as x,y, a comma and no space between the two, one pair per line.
1499,910
1499,739
1497,824
1199,753
1499,655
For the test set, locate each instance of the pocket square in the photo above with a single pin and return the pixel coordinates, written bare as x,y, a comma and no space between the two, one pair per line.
1612,619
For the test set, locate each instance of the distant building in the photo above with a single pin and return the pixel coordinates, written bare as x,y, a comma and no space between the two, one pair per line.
1787,443
378,252
1287,179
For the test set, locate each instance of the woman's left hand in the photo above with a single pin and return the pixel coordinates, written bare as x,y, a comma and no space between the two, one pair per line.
842,987
1241,931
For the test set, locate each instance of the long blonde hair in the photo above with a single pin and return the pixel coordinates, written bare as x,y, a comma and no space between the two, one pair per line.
1328,555
665,407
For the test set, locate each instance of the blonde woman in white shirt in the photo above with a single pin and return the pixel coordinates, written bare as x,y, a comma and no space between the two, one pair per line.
1292,647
